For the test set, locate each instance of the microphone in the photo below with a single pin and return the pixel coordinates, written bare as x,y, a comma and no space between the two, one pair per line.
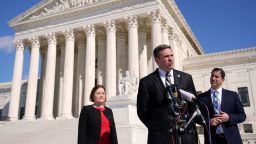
191,97
186,95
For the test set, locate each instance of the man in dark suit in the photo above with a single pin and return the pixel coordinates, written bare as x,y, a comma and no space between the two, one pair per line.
225,111
153,102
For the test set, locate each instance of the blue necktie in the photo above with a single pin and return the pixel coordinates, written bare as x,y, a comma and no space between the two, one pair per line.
216,106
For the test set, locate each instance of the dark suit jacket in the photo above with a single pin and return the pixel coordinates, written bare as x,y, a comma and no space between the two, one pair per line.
90,125
152,104
231,105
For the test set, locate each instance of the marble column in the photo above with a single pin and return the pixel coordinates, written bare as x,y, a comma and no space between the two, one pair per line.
156,35
143,51
172,43
133,51
79,74
89,63
101,56
41,82
111,59
121,54
32,81
48,90
61,76
165,39
16,82
66,110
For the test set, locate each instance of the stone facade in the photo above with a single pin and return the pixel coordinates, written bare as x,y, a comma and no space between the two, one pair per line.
80,43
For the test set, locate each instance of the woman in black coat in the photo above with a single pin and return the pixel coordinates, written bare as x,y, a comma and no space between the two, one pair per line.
96,122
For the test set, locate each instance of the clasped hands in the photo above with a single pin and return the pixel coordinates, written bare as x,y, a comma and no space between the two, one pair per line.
219,118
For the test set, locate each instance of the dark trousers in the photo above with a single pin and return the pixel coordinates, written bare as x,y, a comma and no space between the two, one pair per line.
220,139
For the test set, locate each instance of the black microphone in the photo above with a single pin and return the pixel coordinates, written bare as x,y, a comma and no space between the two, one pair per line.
192,98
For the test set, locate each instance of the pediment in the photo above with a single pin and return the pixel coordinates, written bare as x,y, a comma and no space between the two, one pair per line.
47,8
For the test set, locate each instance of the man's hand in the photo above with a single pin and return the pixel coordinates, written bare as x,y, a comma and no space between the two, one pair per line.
224,117
220,118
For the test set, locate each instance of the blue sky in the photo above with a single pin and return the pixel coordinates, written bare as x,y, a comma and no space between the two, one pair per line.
219,25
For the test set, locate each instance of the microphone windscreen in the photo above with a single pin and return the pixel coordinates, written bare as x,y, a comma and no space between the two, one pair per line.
186,95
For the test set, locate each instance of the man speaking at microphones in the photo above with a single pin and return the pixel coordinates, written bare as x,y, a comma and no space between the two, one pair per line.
158,104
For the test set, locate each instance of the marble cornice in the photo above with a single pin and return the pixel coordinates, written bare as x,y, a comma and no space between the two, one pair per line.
180,20
241,56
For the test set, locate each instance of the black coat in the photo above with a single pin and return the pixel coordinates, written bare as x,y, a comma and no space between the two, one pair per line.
231,105
90,125
152,106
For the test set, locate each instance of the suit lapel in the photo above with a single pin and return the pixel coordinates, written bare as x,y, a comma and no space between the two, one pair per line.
177,77
158,81
209,101
224,100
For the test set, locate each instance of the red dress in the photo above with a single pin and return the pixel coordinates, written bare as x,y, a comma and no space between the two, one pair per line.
105,127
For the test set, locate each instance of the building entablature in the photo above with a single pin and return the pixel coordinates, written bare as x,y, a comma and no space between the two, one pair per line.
56,16
241,56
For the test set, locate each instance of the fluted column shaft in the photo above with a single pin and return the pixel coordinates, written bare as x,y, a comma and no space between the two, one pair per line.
66,111
143,54
156,35
101,42
89,63
32,81
61,78
133,51
16,82
47,100
79,74
111,59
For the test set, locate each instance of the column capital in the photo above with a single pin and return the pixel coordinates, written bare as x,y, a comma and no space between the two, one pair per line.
164,27
69,35
132,21
156,17
35,42
171,34
51,38
110,26
89,30
19,45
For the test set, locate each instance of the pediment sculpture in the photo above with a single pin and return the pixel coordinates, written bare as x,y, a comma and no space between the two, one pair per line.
62,5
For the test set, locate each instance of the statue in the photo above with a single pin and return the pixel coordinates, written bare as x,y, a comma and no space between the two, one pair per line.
128,85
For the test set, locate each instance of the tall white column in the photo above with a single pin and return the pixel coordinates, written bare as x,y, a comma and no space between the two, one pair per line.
66,111
165,39
121,55
111,59
79,74
41,82
143,52
89,63
32,81
48,90
172,43
101,56
133,51
16,82
61,76
156,35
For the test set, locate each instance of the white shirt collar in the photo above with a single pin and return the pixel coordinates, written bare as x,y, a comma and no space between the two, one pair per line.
162,74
